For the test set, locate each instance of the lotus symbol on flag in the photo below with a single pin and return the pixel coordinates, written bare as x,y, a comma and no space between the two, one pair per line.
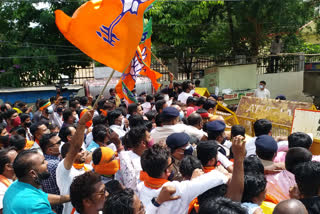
107,32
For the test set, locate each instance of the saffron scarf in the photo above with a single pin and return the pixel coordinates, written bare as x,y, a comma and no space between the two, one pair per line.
80,166
152,183
5,181
207,169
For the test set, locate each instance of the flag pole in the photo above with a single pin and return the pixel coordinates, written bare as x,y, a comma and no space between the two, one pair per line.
102,91
165,67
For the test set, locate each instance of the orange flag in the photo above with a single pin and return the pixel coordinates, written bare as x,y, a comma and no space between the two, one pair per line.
108,31
146,70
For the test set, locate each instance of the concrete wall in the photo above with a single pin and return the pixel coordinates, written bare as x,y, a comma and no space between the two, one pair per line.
289,84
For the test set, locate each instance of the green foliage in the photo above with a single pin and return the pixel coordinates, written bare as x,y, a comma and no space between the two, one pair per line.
40,52
186,29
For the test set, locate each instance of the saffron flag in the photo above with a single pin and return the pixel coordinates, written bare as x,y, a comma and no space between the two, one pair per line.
126,93
108,31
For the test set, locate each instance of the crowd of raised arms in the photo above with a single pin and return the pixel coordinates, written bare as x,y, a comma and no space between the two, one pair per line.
168,154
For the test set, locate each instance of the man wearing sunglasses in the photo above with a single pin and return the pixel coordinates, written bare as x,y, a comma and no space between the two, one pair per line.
49,144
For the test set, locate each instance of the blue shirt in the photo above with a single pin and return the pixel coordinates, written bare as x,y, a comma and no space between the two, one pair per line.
23,198
93,146
50,185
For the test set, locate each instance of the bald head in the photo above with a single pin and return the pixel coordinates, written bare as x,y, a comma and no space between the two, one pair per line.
291,206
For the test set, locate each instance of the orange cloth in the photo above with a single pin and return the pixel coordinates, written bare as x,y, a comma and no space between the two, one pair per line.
104,112
45,106
5,181
89,123
107,165
207,169
107,31
79,166
29,144
142,53
194,205
270,198
152,183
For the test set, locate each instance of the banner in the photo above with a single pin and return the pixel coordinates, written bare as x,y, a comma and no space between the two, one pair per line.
277,111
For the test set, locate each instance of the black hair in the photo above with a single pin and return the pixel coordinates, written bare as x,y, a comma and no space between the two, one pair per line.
53,126
252,164
3,107
112,116
82,187
185,85
132,108
158,96
9,113
111,90
136,120
21,164
65,132
73,104
222,205
201,101
113,186
159,105
19,130
4,159
213,193
158,120
264,155
308,178
197,82
96,156
299,139
149,98
18,142
99,120
151,115
99,133
154,160
254,184
24,117
123,110
66,114
263,82
120,202
262,127
136,135
65,149
34,127
209,104
187,165
190,100
213,135
238,130
206,150
45,141
42,102
296,156
194,119
84,101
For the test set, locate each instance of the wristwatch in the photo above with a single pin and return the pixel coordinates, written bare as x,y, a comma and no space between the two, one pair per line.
155,203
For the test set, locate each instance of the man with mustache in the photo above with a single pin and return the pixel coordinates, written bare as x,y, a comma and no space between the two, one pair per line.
25,195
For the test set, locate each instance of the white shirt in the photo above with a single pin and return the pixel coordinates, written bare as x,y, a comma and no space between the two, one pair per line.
161,133
188,190
117,129
130,167
184,96
3,189
64,179
146,107
265,93
199,130
56,119
251,146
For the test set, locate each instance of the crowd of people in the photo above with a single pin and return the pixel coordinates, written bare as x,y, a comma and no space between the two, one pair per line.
169,153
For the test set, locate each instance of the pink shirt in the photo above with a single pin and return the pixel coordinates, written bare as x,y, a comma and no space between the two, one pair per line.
279,184
281,157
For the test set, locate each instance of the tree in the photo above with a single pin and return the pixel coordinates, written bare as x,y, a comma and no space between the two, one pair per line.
32,48
180,29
